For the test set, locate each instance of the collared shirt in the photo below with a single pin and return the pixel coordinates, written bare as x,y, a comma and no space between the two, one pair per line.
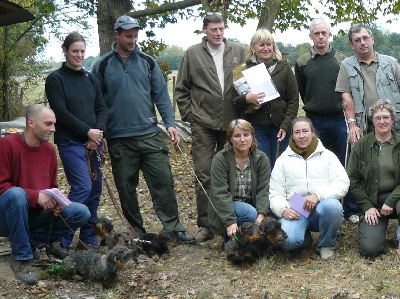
386,168
313,52
243,182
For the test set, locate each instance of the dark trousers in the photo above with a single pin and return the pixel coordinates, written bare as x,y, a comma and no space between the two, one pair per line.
205,144
372,238
332,131
129,155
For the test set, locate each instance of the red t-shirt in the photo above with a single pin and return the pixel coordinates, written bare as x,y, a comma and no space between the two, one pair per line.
30,168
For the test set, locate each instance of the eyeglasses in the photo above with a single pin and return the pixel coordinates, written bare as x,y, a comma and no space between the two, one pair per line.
382,117
211,13
362,39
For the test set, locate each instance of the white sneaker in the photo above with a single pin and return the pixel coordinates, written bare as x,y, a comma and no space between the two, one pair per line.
326,254
354,219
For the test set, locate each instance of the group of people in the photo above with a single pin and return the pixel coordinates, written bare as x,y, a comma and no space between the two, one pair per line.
250,158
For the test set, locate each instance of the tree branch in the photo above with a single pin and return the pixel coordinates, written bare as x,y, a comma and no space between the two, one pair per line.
164,8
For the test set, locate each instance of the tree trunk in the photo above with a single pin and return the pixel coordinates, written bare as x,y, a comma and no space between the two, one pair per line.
5,91
269,14
107,13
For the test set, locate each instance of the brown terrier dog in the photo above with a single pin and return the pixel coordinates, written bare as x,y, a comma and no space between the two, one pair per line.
239,249
158,248
102,228
123,237
272,234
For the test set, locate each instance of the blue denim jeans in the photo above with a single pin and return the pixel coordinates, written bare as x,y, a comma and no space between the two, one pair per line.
244,212
268,142
83,189
325,219
26,227
333,134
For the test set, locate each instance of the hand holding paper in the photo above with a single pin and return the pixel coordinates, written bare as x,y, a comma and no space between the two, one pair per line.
297,203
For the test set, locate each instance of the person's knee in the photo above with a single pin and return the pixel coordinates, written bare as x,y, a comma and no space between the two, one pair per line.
370,249
78,213
18,197
292,242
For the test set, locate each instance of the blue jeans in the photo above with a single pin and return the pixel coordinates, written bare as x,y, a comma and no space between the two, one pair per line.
333,134
83,189
326,218
268,142
26,227
244,212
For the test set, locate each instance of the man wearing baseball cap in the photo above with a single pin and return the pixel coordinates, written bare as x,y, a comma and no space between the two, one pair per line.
133,86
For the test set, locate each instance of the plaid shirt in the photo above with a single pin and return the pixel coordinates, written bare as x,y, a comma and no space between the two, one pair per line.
243,182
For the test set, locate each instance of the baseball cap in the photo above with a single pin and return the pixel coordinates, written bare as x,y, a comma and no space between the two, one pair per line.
126,23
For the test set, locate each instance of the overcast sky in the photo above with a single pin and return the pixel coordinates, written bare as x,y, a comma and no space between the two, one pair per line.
182,35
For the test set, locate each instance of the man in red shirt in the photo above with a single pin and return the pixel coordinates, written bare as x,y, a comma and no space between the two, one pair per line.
28,217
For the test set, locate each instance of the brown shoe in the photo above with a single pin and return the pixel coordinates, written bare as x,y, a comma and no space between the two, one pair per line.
204,234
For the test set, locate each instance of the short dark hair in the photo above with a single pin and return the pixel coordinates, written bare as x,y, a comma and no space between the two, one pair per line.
356,28
212,17
72,38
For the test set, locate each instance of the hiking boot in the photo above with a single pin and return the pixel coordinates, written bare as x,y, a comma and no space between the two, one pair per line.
24,271
183,237
354,219
204,234
58,251
86,246
326,254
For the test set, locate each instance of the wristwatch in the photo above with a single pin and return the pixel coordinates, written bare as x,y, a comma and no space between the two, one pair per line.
351,120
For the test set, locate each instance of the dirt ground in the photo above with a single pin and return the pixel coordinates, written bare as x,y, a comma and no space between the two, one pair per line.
200,271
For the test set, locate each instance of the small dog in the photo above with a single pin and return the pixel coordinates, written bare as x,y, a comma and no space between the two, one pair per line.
239,249
95,267
102,228
123,237
272,234
158,248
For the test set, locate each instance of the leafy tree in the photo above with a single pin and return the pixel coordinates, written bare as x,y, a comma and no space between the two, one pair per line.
20,48
173,55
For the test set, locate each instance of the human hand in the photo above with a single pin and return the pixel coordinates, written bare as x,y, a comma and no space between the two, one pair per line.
105,145
260,218
46,202
95,135
355,132
386,210
91,145
232,229
290,214
254,98
281,135
173,132
311,202
371,216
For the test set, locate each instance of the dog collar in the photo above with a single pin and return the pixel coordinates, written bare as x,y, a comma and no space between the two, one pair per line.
237,239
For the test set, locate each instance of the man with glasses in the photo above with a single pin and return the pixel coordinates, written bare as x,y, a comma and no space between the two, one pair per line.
204,93
316,73
365,77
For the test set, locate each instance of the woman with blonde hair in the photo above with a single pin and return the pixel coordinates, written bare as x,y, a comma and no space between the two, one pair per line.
240,176
272,119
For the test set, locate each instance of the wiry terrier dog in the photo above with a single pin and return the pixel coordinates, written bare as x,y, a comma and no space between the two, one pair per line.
102,228
123,237
272,234
158,248
95,267
239,249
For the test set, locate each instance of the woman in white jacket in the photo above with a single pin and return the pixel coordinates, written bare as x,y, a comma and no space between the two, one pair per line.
312,171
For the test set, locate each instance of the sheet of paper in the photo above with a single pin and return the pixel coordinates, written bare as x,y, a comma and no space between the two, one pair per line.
57,195
259,80
297,203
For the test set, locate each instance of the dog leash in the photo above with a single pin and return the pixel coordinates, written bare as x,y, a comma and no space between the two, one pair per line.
201,185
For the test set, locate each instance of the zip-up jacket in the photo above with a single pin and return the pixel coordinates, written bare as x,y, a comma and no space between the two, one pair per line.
198,92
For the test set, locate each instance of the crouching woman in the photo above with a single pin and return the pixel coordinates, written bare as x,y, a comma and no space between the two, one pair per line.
312,171
240,175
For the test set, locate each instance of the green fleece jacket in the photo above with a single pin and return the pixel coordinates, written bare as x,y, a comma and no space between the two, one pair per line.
363,171
280,111
223,183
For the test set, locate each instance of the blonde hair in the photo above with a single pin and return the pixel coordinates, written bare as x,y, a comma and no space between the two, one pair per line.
263,36
245,126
